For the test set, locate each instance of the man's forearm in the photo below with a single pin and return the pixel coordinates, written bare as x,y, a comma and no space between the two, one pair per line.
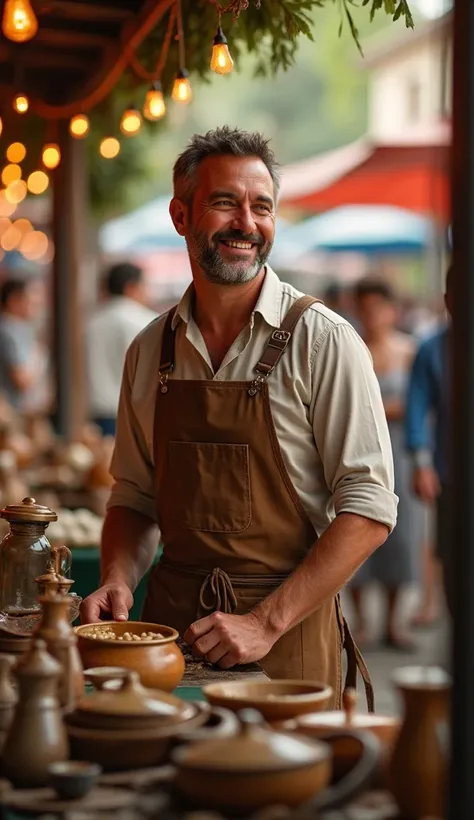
345,545
129,543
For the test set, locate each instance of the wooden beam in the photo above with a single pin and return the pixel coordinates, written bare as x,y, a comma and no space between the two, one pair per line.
90,12
44,57
69,38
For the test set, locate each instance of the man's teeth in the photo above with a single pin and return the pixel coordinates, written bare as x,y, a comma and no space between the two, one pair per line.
244,245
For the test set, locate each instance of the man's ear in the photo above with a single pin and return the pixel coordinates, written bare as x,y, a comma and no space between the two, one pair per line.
179,213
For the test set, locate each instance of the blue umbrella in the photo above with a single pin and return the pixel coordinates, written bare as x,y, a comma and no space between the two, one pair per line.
369,229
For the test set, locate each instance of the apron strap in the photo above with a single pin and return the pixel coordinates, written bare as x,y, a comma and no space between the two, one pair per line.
167,345
279,340
356,663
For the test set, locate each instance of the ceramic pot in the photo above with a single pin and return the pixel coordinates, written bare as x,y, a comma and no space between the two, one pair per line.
418,765
260,767
320,724
160,663
276,700
61,642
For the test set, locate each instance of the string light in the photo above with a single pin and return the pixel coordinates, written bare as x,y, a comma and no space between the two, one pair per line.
16,191
79,126
16,152
221,61
11,239
109,147
10,174
21,103
37,182
23,225
5,223
51,156
182,91
7,208
19,21
154,107
34,245
1,126
131,121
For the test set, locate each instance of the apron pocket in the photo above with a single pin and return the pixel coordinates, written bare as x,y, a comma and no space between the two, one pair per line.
209,485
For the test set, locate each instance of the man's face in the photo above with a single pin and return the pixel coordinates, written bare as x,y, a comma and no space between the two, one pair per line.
230,225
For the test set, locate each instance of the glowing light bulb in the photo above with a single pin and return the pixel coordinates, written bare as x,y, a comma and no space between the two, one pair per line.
1,126
182,91
51,156
16,152
131,121
19,21
11,173
109,147
21,103
154,107
16,191
37,182
7,208
79,126
34,245
221,61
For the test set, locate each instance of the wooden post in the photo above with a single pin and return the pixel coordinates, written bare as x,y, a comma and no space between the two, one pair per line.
461,803
69,208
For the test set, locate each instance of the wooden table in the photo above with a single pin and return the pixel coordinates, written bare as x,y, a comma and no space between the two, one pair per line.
199,673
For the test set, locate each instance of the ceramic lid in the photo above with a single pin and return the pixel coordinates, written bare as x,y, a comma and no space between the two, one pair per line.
422,677
29,512
133,700
38,663
256,747
345,718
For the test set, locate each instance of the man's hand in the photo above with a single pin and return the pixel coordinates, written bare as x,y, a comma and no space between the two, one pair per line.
228,640
113,598
426,484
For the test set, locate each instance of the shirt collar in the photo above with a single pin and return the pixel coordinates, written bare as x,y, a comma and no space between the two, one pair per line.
268,303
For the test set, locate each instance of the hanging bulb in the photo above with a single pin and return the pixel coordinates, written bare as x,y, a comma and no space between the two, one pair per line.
109,147
37,182
21,103
19,21
51,156
1,126
79,126
221,61
182,91
154,107
16,152
131,121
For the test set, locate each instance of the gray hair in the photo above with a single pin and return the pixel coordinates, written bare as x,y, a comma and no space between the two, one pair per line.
219,142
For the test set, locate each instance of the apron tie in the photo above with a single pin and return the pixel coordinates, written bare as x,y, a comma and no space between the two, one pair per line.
222,595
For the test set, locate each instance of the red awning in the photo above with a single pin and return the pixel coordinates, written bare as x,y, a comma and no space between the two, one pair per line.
412,173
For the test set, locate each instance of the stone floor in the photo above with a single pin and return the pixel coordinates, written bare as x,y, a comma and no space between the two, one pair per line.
432,648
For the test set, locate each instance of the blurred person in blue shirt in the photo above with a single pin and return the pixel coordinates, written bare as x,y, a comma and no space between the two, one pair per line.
427,427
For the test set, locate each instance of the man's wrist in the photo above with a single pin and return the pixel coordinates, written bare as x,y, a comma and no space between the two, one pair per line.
270,623
422,458
115,575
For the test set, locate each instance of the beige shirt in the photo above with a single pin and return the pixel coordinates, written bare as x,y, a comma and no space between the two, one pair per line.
325,401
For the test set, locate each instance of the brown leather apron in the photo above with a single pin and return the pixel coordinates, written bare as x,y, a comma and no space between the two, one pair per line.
232,524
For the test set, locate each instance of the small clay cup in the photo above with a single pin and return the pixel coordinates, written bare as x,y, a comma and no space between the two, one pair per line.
73,779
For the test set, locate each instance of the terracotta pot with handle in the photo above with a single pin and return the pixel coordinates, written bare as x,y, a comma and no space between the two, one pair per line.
261,767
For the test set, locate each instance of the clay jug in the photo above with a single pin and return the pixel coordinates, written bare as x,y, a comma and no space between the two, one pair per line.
37,736
418,769
55,629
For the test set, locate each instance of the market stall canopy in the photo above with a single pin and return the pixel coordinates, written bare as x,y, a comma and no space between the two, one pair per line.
412,173
357,229
79,52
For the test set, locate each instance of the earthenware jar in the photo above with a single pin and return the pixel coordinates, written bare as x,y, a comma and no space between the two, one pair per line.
37,736
24,555
418,768
61,642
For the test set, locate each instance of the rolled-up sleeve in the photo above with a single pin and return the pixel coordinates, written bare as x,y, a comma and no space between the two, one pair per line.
350,428
131,467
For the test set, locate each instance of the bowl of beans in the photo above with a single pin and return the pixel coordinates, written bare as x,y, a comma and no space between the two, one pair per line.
149,649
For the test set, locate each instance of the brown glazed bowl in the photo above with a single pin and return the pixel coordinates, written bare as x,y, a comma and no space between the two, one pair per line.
160,662
276,700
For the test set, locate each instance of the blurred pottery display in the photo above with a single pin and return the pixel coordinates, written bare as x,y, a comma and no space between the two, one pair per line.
159,662
130,727
261,767
418,767
37,736
321,724
8,695
275,700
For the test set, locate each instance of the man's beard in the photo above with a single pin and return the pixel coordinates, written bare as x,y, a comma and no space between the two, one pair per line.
206,254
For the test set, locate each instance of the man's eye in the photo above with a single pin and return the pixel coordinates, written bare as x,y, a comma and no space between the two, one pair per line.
227,202
264,208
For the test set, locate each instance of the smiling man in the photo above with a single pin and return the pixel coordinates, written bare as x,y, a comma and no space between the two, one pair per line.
251,431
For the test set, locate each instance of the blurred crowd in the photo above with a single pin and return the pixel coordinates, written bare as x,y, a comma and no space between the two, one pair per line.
409,346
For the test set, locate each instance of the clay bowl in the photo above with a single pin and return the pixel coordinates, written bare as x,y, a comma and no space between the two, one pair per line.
73,779
160,663
276,700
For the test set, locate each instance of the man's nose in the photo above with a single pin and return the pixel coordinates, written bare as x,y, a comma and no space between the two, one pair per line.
244,221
